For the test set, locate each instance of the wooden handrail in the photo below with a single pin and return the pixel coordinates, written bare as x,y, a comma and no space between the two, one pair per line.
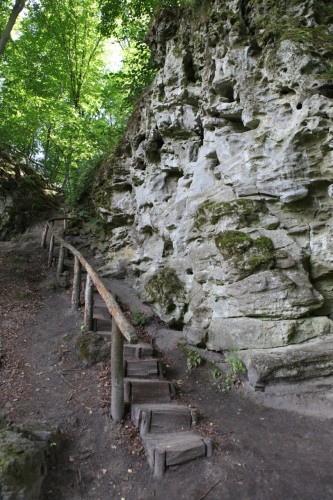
121,328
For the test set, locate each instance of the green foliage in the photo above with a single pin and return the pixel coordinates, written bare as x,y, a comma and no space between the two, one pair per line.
236,365
226,382
215,372
138,318
193,358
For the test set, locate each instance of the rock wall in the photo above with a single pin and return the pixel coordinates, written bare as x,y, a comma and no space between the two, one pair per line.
219,198
25,197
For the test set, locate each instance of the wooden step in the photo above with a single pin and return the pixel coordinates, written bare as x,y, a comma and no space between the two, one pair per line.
157,418
101,313
167,450
141,350
148,391
143,368
101,324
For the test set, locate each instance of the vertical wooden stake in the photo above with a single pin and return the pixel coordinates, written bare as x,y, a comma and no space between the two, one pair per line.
60,267
76,284
43,245
117,373
65,224
51,251
89,304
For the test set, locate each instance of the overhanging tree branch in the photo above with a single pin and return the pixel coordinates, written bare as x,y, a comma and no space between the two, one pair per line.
5,35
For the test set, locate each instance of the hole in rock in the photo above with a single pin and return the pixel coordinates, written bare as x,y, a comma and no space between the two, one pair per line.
299,105
189,68
286,91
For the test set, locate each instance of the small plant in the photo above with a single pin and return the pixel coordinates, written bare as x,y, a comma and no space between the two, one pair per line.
216,372
236,365
193,358
226,382
138,318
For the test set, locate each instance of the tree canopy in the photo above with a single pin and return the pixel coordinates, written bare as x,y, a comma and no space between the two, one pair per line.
60,104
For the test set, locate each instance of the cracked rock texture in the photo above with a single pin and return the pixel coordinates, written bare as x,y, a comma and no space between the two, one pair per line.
219,198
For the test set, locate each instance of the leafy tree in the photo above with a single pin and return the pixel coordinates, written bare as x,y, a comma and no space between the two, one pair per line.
59,104
5,34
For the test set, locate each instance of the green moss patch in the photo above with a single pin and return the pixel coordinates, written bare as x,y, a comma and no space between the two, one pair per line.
92,348
25,453
248,255
165,287
247,211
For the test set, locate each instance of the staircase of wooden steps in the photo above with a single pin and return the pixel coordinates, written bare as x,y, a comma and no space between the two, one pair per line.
166,427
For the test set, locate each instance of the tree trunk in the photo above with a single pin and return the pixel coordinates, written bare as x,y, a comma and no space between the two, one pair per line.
18,7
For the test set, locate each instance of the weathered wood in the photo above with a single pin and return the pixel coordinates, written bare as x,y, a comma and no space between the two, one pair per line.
101,313
139,351
145,422
163,417
50,260
76,284
142,368
125,327
44,236
159,463
61,259
145,391
117,374
178,447
89,304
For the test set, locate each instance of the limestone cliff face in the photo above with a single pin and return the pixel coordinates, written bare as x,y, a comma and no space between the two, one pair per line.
219,200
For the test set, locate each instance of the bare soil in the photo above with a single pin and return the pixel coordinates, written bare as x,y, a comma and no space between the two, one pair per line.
259,453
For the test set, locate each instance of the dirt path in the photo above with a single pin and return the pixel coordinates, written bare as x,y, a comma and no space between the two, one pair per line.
259,453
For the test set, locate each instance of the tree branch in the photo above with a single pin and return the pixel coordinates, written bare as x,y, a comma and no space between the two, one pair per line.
5,36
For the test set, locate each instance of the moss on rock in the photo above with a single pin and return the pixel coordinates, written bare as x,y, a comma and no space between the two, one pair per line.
247,211
92,348
165,287
249,255
24,456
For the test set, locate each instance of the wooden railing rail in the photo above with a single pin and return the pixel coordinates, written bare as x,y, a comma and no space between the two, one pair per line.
121,328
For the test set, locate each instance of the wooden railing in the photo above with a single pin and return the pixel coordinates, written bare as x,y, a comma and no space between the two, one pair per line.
121,328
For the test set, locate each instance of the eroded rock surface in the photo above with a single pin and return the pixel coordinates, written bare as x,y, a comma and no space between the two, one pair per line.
219,199
26,451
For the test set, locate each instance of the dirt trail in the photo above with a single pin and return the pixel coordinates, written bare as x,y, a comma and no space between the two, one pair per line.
259,453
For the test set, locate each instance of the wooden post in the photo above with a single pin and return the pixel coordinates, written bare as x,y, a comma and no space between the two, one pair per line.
51,251
65,224
89,304
76,284
43,245
117,373
60,267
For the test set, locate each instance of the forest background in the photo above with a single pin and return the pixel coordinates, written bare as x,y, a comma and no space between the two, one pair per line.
65,95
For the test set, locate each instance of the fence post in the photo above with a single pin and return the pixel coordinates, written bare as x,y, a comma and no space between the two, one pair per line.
60,261
43,245
89,304
76,283
49,264
117,373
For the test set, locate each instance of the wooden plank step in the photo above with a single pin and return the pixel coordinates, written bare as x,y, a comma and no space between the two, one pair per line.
166,450
141,350
148,391
157,418
102,324
101,313
131,351
143,368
